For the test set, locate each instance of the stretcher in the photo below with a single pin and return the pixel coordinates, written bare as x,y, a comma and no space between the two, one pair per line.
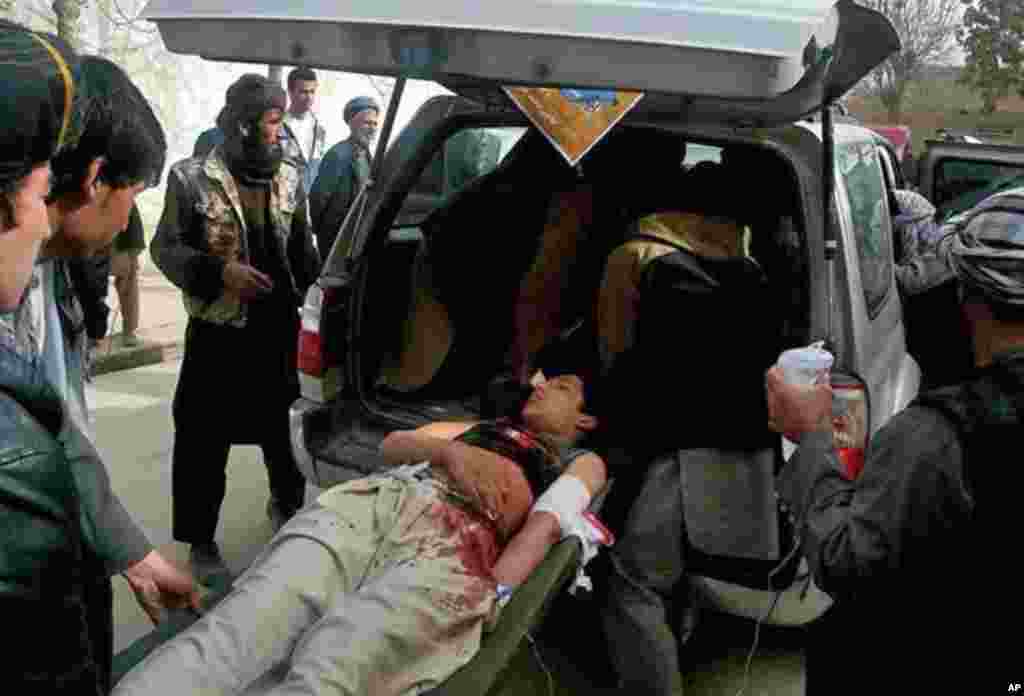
481,676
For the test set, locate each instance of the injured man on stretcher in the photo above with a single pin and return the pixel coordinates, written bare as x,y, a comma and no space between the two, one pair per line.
385,584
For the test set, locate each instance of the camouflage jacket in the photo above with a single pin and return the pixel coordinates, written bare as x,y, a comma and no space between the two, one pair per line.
203,228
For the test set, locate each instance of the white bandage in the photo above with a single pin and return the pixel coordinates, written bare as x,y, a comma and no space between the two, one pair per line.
566,498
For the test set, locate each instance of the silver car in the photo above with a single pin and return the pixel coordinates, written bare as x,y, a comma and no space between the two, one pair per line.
415,293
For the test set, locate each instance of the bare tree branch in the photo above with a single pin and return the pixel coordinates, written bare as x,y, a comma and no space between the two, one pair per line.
927,30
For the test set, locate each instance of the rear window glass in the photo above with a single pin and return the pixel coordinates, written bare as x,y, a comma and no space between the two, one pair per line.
464,157
858,166
697,153
962,184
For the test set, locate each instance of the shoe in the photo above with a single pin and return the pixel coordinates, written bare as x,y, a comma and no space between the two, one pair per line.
130,340
207,562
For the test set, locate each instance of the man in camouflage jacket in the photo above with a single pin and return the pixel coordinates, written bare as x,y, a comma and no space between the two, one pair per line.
235,238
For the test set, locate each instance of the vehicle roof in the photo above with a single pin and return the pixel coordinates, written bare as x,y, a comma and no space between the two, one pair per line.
778,28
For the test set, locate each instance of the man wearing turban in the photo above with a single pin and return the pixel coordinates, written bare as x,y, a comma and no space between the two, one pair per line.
343,172
235,238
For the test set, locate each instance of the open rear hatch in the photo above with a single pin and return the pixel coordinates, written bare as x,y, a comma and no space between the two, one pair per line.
738,61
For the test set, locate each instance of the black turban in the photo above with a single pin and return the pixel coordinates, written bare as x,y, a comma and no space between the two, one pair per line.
248,99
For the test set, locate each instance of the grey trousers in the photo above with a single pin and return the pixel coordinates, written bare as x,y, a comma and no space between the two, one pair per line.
382,589
647,566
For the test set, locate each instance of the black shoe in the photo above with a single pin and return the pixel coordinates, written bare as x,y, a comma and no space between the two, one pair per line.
207,562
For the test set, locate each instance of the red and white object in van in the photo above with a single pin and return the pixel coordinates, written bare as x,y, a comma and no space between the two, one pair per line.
812,365
849,423
311,364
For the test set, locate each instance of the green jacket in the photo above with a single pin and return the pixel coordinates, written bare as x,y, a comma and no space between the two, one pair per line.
51,308
42,553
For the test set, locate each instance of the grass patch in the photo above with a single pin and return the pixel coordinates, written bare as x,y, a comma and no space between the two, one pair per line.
943,103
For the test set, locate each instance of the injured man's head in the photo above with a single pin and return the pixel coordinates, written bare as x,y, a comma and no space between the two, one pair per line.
556,407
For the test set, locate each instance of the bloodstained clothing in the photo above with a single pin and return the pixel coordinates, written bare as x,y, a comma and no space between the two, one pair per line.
384,586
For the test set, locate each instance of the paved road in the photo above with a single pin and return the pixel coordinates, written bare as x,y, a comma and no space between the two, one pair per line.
132,411
133,428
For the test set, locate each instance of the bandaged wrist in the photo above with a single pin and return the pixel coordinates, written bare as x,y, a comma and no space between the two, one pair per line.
566,498
503,594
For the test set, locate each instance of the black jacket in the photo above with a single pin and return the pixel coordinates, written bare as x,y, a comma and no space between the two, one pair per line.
915,551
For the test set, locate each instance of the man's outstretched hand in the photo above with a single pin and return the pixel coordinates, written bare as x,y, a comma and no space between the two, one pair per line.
796,409
159,585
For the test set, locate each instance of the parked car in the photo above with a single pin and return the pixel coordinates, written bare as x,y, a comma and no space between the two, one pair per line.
957,175
412,316
899,136
957,137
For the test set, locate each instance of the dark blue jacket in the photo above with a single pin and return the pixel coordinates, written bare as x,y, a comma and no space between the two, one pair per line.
343,171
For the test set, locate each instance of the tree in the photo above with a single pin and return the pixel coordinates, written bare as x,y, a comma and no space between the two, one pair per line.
991,37
926,29
69,13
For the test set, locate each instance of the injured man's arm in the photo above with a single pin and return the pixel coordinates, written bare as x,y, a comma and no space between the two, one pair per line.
553,513
550,519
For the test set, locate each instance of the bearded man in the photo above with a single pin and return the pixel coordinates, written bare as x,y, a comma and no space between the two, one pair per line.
343,173
235,238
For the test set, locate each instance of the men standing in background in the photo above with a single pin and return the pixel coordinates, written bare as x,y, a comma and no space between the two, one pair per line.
343,173
124,266
303,137
235,238
91,277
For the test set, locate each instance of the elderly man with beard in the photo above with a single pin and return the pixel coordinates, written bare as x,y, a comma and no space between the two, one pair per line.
343,172
234,237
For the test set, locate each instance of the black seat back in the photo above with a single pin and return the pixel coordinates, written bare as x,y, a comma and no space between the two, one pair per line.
694,377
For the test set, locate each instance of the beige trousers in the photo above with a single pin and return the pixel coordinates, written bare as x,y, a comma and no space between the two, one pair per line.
383,587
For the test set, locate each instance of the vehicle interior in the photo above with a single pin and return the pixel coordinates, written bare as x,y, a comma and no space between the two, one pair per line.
518,246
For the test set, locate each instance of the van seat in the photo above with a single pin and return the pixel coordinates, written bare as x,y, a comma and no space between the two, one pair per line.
390,287
477,247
